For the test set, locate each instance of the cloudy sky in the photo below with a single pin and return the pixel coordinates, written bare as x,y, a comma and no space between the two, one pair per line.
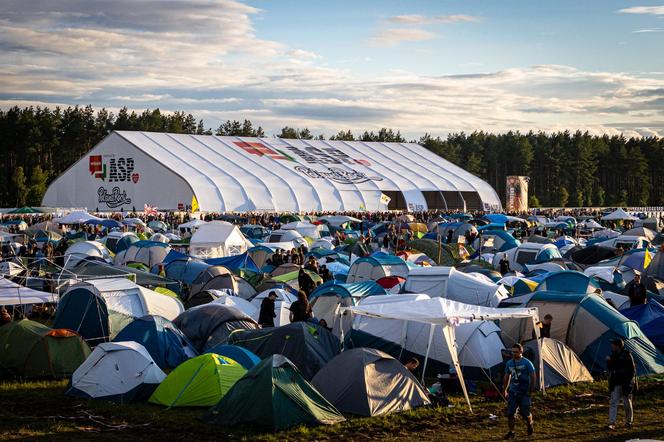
433,66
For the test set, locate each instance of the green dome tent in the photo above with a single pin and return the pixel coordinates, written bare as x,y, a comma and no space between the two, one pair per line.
273,394
199,382
32,350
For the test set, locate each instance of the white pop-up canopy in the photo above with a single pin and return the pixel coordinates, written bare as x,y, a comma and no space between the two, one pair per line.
619,215
76,217
447,314
15,294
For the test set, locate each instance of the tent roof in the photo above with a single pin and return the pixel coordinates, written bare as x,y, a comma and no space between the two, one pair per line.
439,311
15,294
618,215
276,174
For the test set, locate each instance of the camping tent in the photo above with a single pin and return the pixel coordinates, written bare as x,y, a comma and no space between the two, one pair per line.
373,383
241,355
568,281
99,308
328,298
211,324
199,382
167,345
309,346
281,305
230,300
76,217
656,267
86,250
304,228
273,394
619,215
587,323
214,277
33,350
441,315
117,371
650,317
561,364
218,239
447,282
149,253
371,268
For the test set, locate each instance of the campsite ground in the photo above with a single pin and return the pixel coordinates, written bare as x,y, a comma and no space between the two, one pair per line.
41,411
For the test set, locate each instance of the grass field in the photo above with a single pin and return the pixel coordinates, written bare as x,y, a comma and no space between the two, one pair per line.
39,411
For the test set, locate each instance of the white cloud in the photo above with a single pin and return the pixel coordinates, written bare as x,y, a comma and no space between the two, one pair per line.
415,19
204,57
651,30
650,10
394,36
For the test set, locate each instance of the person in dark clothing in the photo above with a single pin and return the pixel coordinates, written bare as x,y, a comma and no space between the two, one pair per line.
449,237
305,282
622,376
300,310
267,314
386,241
637,292
505,265
519,382
545,331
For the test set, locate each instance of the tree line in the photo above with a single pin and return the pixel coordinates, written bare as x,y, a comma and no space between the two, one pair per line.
566,169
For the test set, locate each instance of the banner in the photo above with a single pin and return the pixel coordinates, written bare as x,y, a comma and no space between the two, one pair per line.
517,193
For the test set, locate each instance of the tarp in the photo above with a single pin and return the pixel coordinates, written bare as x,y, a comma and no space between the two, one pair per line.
234,263
76,217
650,317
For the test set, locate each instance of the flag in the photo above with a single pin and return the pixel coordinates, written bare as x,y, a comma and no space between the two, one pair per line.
646,259
463,253
362,208
194,204
384,199
149,210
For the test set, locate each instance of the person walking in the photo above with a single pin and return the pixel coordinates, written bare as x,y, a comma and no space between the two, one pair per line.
518,382
267,314
300,310
622,379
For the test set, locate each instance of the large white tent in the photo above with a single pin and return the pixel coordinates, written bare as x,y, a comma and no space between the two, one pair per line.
15,294
448,315
217,239
130,169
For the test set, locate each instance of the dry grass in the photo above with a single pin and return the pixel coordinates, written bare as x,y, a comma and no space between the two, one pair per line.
40,411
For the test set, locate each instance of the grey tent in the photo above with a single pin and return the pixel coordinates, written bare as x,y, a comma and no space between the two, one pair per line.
368,382
561,364
214,278
209,325
309,346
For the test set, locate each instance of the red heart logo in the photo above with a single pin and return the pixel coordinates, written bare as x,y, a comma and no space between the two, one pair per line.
135,177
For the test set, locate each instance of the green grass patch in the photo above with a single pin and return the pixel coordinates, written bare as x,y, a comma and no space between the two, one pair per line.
41,411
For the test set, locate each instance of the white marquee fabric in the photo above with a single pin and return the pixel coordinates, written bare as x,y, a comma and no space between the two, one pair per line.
130,169
15,294
445,313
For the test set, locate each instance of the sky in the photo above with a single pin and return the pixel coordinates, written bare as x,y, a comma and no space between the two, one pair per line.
419,66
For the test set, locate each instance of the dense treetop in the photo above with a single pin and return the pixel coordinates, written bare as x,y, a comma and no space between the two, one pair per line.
566,169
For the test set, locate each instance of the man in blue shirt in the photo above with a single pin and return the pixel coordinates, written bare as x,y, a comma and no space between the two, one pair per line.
519,381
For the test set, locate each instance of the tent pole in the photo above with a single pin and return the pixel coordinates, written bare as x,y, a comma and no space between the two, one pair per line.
403,338
539,351
432,327
450,338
